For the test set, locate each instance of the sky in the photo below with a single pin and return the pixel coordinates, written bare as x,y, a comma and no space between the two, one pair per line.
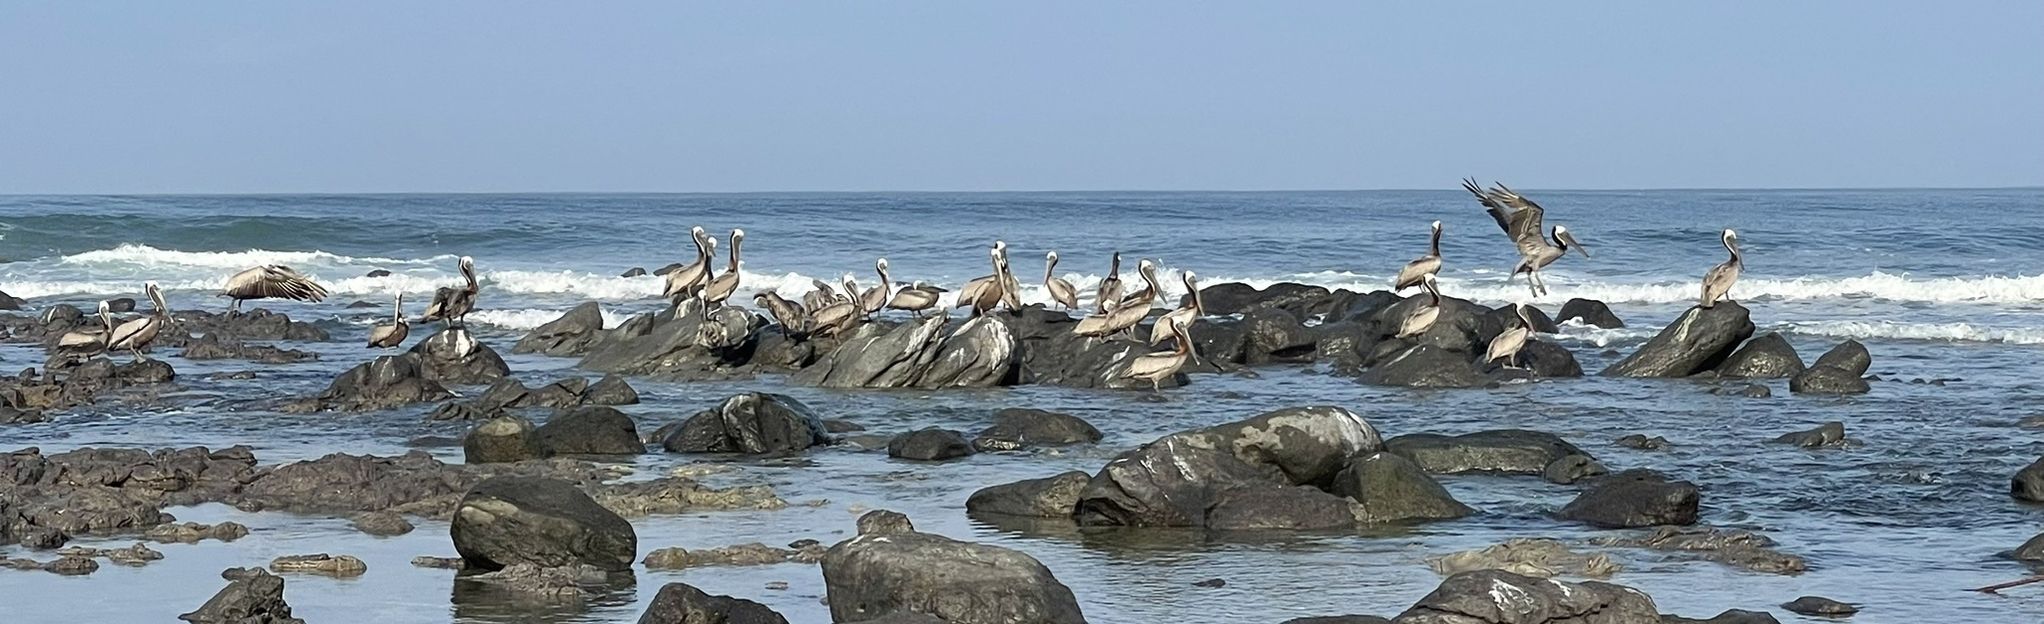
471,96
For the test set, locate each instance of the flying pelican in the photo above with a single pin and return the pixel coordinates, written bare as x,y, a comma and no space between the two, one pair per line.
392,335
1060,290
1184,315
720,288
1718,282
1421,318
916,298
685,281
89,340
1429,264
270,281
1520,218
982,295
1128,313
875,299
138,333
452,305
1508,343
1156,367
1110,287
789,315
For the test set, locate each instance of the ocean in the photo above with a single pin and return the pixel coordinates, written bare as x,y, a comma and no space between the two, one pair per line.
1944,285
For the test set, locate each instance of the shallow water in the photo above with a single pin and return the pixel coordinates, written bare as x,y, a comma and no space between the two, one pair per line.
1901,524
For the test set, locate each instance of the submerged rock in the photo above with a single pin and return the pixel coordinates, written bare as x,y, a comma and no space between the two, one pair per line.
567,336
931,444
1499,597
252,596
680,603
1635,498
322,563
382,524
1740,549
1048,497
1516,451
1827,434
1698,341
1390,488
1016,428
383,383
1538,558
544,522
1818,605
752,423
593,430
754,553
1728,616
880,573
1766,356
1185,478
1838,371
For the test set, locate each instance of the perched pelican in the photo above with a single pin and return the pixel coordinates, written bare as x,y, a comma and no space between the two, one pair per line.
1110,287
983,295
392,335
875,299
858,300
1718,282
270,281
1011,289
1060,290
916,298
1508,343
89,340
1429,264
720,287
138,333
823,295
833,319
1520,218
1421,318
687,280
785,312
1184,315
1128,313
452,305
973,285
1156,367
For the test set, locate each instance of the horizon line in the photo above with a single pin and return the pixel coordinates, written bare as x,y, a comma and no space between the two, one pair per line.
1011,191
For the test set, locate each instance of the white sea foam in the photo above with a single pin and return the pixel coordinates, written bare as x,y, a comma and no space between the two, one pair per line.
145,256
525,319
1945,332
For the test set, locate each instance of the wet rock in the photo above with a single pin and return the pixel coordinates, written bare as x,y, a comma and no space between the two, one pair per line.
683,344
932,444
360,304
37,537
1572,468
258,324
1818,605
1504,316
341,483
1390,488
981,352
10,302
611,390
2028,484
1339,619
1276,335
1766,356
834,425
2031,550
441,563
1827,434
1728,616
1849,356
252,596
464,410
594,430
884,522
1698,341
1211,583
502,440
383,383
1426,366
377,273
71,566
1236,298
210,347
557,582
752,423
1635,498
1590,312
1016,428
1499,597
1180,479
193,532
340,566
544,522
1515,451
1048,497
876,574
1642,442
12,416
1537,558
452,356
737,555
568,336
1283,507
680,603
1740,549
1838,371
633,272
134,556
1755,391
382,524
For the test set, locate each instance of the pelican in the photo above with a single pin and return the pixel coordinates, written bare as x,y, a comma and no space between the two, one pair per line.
823,295
1011,289
687,280
1110,287
785,312
875,299
138,333
1520,218
720,287
1184,315
1128,313
1060,290
1421,318
452,305
916,298
270,281
1429,264
1508,343
1718,282
833,319
89,340
392,335
983,294
973,285
858,300
1156,367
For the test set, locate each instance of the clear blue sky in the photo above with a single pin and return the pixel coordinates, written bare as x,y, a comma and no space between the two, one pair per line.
735,96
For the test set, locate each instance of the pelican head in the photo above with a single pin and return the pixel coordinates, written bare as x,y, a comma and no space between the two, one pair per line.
1146,265
156,297
467,263
1567,241
1199,304
105,308
1051,257
1520,309
1001,245
709,243
1436,226
760,297
737,235
1730,235
881,264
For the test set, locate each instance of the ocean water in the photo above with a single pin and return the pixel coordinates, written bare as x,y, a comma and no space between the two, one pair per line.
1940,284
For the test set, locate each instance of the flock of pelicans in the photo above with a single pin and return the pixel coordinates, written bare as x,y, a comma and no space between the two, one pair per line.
827,311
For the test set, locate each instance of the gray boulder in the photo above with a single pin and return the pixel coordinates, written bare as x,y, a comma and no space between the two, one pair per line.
1426,366
1590,312
1390,488
1728,616
930,444
503,439
383,383
252,596
2028,484
1180,479
453,356
1697,341
1048,497
1016,428
1635,498
878,574
1838,371
981,352
1767,356
681,603
1281,507
1500,597
683,344
752,423
540,521
1515,451
593,430
567,336
1827,434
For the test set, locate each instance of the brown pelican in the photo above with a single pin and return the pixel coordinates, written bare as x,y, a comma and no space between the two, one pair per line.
1520,218
392,335
916,298
687,280
785,312
1011,289
822,296
1060,290
89,340
1156,367
1718,282
1421,318
138,333
270,281
833,319
1508,343
1429,264
720,287
452,305
875,299
858,301
1128,313
983,294
1110,287
1184,315
973,285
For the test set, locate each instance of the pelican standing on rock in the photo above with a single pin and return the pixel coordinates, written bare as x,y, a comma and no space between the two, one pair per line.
1060,290
1509,342
982,295
1110,287
875,299
785,312
452,305
1156,367
916,298
976,285
90,340
392,335
1196,307
720,288
822,296
1429,264
138,333
687,280
1421,318
1718,282
1520,218
1128,312
270,281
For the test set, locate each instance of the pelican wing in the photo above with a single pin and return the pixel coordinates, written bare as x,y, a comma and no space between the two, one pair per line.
1519,217
274,281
